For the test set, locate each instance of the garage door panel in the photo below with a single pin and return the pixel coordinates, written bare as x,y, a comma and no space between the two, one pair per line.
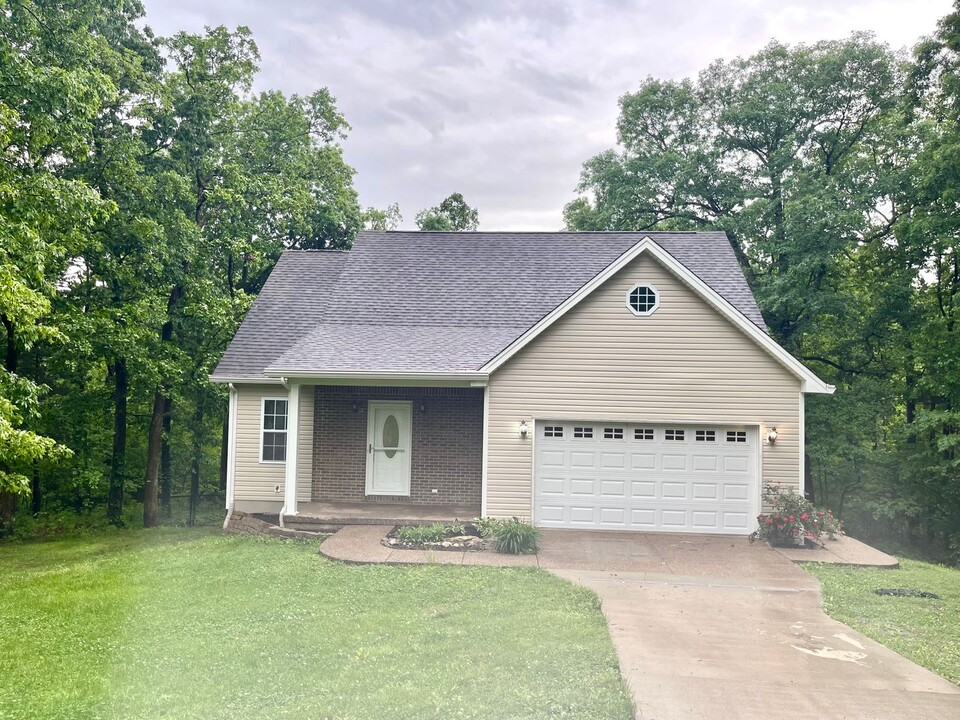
583,487
613,461
643,489
633,478
643,461
580,459
673,462
552,486
705,491
705,463
552,458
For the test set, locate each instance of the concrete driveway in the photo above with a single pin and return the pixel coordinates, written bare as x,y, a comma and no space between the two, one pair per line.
711,627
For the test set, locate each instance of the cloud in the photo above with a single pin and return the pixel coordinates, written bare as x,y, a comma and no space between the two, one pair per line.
503,100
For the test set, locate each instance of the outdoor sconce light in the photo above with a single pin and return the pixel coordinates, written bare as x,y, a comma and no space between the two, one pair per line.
354,405
423,408
523,428
772,436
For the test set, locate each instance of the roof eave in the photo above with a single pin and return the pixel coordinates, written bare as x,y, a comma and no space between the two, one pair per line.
468,377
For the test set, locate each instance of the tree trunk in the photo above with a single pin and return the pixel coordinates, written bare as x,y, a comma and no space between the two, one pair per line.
118,458
224,442
8,501
195,463
35,489
151,484
166,481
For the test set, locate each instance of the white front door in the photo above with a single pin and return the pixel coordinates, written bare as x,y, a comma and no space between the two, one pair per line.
388,447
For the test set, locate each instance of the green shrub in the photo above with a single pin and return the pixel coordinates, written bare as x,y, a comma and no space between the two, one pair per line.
793,518
420,534
515,537
487,526
456,527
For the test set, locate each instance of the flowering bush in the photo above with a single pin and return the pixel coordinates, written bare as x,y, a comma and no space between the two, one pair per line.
792,519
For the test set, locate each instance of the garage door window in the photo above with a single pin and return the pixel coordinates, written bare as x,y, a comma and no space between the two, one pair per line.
582,433
736,436
706,436
553,431
673,435
613,433
643,433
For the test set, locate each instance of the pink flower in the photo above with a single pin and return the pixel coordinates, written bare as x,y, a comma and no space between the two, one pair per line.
804,516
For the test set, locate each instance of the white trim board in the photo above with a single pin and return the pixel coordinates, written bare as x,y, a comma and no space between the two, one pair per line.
809,382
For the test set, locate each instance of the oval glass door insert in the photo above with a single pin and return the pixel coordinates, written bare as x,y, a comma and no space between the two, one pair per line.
391,436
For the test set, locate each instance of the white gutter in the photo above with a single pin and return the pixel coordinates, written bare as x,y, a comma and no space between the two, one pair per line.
231,453
284,375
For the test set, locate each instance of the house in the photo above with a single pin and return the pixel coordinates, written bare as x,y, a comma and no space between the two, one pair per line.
608,380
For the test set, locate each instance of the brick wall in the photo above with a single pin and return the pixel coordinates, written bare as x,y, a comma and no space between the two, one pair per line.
447,452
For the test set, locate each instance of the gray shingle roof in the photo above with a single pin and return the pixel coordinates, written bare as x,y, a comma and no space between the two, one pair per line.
440,302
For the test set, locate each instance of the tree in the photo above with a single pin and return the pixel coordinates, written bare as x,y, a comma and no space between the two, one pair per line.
453,214
387,219
60,70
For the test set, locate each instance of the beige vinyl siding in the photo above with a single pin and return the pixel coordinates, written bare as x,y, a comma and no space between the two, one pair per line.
256,480
684,363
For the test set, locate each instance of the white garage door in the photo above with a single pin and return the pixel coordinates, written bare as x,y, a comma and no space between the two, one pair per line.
668,478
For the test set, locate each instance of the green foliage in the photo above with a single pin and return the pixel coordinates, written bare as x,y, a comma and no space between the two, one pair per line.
421,534
515,537
487,526
453,214
145,193
134,626
921,629
831,167
388,219
792,519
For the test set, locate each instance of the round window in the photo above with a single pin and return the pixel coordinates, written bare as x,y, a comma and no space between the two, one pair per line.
643,299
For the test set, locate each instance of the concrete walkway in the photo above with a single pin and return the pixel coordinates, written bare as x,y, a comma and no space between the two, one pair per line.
710,627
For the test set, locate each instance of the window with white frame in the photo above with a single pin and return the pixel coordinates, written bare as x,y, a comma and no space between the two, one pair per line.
553,431
643,433
673,435
706,436
736,436
582,433
613,433
643,299
273,430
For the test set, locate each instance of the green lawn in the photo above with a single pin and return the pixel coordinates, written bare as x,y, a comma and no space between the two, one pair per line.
925,630
192,624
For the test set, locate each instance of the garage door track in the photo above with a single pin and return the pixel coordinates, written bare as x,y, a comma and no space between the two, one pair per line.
712,627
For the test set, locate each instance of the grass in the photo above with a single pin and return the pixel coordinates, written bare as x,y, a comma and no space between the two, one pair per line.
183,623
925,630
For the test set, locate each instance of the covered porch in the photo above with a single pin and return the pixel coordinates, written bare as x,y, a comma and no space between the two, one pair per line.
373,454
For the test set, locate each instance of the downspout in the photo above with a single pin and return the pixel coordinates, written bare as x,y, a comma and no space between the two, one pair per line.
231,453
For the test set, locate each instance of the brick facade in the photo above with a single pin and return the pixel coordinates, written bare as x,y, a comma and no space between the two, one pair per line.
447,437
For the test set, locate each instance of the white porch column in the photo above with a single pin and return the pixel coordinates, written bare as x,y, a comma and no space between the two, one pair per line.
290,467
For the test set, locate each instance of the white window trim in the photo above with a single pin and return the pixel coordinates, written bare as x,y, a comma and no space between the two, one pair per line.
656,301
263,408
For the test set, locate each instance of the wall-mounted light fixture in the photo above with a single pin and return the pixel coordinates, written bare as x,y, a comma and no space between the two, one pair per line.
772,436
523,428
423,408
354,405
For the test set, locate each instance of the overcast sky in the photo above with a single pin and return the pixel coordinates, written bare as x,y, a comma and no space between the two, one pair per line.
503,100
